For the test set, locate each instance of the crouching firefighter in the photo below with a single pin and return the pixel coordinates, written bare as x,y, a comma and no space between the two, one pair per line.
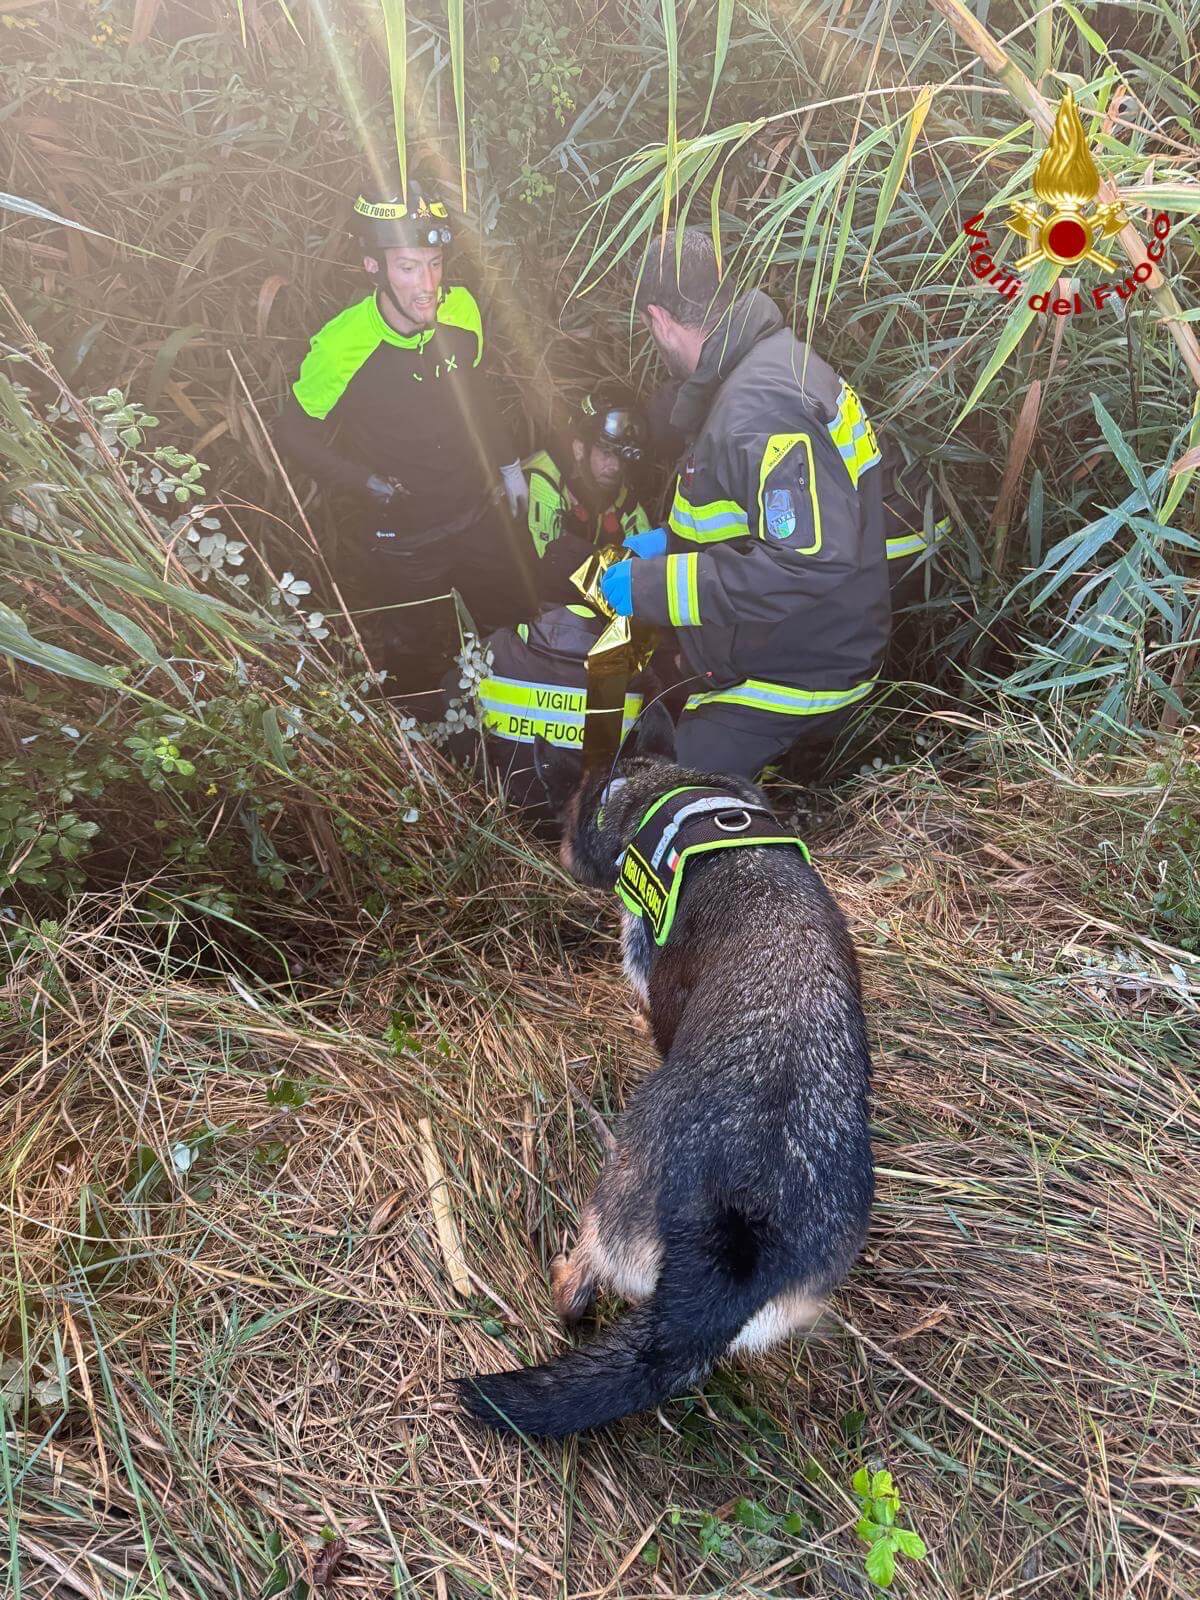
537,684
394,408
586,497
771,571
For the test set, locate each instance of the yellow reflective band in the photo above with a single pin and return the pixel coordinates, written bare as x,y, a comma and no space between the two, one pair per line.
909,544
718,519
853,434
393,211
760,696
516,710
683,598
381,211
521,727
779,447
913,542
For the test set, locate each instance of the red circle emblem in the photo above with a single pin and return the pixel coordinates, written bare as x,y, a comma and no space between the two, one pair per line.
1067,239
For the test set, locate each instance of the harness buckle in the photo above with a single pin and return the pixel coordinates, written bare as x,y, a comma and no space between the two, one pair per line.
731,821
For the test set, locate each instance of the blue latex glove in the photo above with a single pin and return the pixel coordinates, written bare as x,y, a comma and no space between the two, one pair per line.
649,544
617,587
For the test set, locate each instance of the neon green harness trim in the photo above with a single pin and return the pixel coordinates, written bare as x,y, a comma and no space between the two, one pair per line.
669,836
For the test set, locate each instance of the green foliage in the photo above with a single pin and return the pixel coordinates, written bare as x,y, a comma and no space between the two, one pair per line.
1132,615
198,724
1175,853
523,92
215,161
879,1500
38,850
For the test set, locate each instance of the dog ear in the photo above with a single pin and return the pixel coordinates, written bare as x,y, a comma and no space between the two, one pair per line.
654,733
558,770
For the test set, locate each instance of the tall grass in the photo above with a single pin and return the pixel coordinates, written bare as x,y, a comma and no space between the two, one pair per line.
297,1030
837,157
862,229
229,1307
178,705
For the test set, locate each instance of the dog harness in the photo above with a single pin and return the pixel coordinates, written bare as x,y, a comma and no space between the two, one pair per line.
686,822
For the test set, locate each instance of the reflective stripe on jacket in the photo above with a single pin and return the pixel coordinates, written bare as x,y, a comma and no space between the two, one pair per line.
913,514
538,681
775,575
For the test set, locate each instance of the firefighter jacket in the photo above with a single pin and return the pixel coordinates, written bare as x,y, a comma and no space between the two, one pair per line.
417,407
775,577
538,681
537,684
554,510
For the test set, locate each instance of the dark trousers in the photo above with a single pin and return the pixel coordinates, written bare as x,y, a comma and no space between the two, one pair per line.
398,585
740,741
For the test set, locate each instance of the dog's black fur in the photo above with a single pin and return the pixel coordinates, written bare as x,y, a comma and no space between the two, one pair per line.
738,1192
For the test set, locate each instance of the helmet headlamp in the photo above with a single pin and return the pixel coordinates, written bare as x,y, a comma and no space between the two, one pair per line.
613,422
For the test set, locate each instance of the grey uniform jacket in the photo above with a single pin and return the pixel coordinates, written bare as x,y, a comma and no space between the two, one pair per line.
775,578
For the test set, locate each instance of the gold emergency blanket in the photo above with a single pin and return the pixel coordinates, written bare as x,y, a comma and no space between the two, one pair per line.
621,651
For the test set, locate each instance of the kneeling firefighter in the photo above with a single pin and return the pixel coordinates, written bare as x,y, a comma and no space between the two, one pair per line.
537,684
771,571
586,498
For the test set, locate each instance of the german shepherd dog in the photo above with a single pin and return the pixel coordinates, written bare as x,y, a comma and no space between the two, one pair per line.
736,1193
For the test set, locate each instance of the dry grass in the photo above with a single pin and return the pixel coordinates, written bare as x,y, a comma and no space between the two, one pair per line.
259,1350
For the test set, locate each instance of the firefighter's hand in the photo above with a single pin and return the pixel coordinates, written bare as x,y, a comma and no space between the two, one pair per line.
516,490
382,491
649,544
617,587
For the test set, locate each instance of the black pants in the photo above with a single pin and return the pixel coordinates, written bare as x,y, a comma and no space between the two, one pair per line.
398,585
740,741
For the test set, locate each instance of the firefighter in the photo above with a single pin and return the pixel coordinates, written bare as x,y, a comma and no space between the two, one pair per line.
771,571
537,683
586,498
394,407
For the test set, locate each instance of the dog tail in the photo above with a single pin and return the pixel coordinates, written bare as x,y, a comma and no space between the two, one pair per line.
716,1273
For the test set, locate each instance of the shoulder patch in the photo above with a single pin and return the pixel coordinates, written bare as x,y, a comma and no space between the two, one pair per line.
780,512
787,492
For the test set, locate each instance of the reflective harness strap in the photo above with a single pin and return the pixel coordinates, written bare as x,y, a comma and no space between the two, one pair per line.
685,822
696,808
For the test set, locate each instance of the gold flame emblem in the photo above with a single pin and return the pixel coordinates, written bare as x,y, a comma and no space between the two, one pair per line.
1067,181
